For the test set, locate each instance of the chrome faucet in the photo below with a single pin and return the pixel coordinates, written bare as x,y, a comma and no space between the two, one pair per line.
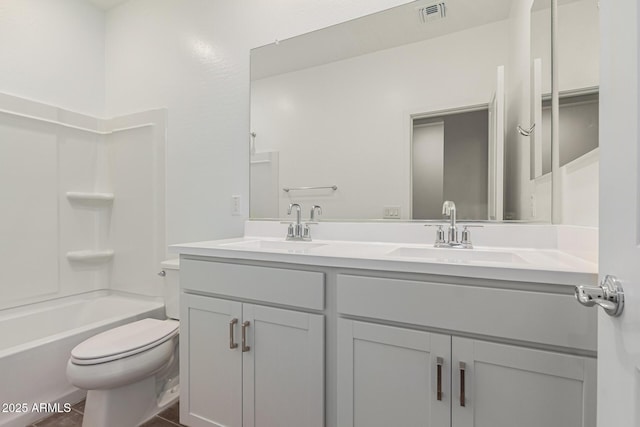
451,240
297,231
449,209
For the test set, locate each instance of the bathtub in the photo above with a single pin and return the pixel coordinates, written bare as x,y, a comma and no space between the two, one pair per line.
35,343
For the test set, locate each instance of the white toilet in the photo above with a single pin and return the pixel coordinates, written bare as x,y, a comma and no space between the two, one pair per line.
130,372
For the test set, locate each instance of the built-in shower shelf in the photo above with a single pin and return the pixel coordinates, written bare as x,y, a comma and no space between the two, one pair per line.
90,256
90,198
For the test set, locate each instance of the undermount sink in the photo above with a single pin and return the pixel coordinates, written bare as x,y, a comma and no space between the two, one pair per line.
284,245
457,255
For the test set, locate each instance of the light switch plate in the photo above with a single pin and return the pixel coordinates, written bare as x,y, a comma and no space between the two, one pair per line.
236,205
391,212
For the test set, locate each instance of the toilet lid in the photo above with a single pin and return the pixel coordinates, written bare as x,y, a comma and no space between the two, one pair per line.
124,341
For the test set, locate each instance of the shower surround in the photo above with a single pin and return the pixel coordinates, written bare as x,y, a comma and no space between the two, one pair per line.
82,212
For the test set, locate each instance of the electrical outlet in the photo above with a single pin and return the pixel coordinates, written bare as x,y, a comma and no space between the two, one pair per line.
391,212
236,205
532,201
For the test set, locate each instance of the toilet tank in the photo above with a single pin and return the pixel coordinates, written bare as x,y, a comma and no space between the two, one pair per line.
171,269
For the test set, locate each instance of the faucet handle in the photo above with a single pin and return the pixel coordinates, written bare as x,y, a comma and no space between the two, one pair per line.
466,236
314,209
439,235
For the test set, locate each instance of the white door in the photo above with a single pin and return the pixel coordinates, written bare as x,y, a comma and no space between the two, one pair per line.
619,337
536,116
498,385
495,174
389,376
283,368
210,362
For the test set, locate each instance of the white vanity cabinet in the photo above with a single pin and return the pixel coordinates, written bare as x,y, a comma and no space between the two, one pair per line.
398,376
342,342
391,375
248,364
507,385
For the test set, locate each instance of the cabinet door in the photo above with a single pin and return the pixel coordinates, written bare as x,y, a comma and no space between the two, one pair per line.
210,371
283,369
506,386
389,376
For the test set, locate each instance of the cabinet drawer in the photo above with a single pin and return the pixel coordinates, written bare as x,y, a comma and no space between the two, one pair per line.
275,285
552,319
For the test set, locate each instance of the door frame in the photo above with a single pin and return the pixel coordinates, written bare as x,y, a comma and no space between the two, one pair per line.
414,115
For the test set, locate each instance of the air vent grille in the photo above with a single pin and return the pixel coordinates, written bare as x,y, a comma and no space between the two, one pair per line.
432,12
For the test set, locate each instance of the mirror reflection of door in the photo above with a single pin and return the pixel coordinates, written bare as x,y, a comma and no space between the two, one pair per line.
449,162
427,165
495,160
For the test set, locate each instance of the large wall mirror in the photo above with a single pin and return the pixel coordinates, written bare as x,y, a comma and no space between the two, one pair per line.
566,164
388,115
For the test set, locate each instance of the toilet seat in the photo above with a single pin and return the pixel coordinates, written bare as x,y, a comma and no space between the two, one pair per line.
124,341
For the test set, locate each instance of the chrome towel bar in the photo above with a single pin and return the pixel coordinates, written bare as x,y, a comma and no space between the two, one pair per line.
287,189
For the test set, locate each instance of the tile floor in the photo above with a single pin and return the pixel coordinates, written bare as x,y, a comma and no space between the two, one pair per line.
167,418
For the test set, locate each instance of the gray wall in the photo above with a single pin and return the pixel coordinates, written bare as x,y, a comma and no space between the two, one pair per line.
465,163
578,130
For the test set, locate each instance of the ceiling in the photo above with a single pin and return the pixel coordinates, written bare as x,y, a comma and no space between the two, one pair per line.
393,27
106,4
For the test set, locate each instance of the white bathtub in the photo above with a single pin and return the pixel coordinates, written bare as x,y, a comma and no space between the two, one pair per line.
36,340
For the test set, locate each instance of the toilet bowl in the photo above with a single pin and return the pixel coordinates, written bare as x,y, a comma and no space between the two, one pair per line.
130,372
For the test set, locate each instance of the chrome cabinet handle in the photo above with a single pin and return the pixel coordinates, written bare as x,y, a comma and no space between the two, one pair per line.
609,295
439,363
232,344
245,347
462,397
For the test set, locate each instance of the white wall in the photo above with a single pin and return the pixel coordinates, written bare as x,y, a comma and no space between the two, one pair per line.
580,189
578,45
53,52
337,124
192,57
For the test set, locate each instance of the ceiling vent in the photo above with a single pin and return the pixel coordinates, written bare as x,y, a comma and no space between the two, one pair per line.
432,12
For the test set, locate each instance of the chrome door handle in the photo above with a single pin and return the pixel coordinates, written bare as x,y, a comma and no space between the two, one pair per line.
463,399
609,295
232,344
245,347
439,363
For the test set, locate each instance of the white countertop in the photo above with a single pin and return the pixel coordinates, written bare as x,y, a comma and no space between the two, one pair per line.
538,265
